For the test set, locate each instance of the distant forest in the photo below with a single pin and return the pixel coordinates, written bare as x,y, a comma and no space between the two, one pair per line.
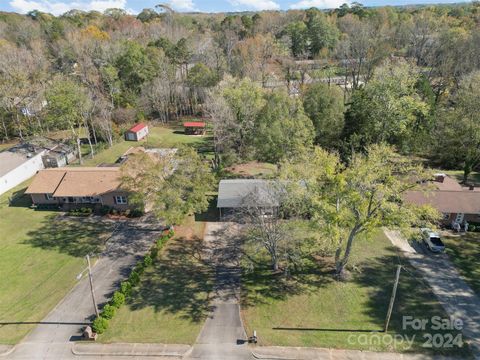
271,82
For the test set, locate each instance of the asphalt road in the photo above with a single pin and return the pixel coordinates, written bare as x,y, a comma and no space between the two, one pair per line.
52,338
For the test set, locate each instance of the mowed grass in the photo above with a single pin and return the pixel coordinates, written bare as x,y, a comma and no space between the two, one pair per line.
171,302
160,137
40,257
345,315
464,251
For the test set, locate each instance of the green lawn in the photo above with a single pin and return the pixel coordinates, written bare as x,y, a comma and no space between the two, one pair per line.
338,314
464,251
458,175
163,137
172,301
39,260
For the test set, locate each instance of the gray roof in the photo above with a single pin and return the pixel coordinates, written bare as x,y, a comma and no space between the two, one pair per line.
232,193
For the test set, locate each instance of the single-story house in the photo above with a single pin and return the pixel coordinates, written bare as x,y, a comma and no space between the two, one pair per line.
235,194
456,202
137,132
70,188
194,128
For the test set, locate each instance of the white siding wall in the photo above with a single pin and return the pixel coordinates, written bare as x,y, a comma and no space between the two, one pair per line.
23,172
142,133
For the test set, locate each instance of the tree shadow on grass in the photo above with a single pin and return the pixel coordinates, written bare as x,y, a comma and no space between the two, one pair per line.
75,237
179,282
261,285
414,298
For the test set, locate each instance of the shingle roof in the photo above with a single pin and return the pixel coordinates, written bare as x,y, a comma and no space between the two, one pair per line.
467,202
231,193
84,181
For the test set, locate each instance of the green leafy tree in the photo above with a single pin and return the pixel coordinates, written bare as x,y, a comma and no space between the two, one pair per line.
321,33
134,67
171,186
68,107
389,109
282,129
297,32
347,201
324,106
458,131
201,76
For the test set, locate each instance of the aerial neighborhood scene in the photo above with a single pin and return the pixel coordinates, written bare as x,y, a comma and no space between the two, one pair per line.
227,180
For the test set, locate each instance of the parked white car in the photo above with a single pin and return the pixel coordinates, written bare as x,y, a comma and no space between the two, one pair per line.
432,240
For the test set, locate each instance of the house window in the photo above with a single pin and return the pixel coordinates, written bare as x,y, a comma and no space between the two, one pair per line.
120,199
446,216
48,196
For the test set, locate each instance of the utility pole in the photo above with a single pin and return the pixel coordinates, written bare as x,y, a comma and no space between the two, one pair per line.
392,298
91,286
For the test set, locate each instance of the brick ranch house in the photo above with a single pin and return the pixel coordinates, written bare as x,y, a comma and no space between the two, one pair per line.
71,188
456,202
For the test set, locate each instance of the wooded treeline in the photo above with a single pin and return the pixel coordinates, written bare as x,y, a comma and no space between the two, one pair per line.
272,82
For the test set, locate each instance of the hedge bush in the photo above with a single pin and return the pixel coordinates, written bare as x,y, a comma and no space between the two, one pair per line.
108,311
118,299
147,261
134,278
126,288
99,325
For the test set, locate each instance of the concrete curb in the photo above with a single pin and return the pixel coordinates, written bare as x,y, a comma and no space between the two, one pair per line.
301,353
130,349
6,350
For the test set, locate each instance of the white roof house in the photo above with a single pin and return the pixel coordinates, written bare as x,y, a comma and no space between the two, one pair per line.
232,193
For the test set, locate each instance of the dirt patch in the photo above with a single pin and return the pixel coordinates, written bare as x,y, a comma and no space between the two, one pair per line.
253,168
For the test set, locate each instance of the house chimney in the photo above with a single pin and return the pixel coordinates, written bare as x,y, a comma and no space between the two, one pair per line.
439,177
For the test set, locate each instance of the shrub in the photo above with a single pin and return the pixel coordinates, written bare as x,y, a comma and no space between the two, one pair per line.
104,210
99,325
147,261
126,288
134,278
118,299
154,252
171,233
108,312
139,268
134,213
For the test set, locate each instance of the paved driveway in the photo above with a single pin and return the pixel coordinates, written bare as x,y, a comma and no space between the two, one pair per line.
455,295
51,339
223,336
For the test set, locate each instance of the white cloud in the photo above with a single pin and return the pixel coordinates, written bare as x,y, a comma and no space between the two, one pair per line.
322,4
185,5
59,7
256,4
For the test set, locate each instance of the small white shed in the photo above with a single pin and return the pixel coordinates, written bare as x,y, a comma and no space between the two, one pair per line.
137,132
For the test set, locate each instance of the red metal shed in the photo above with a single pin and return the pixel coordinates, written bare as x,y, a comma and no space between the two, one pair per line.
194,127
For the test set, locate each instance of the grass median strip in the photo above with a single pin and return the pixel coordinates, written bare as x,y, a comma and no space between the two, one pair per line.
171,301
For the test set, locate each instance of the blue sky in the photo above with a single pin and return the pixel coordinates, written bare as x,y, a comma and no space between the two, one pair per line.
135,6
